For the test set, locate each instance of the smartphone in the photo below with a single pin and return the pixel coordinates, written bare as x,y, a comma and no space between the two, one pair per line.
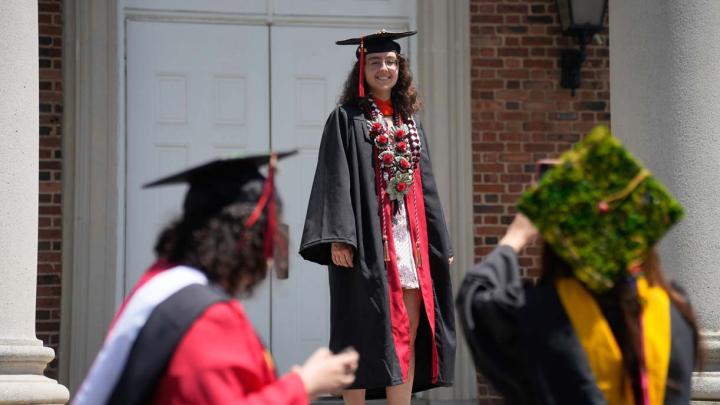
543,165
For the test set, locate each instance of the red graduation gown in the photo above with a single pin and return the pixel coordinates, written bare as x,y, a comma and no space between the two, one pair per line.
177,340
220,360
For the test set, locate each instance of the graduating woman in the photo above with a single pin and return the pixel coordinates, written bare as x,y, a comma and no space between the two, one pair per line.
602,326
181,337
374,218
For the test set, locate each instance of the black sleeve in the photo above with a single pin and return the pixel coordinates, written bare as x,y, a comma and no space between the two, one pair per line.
330,216
683,354
438,237
488,304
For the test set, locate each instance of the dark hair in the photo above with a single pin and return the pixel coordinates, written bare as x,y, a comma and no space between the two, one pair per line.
404,95
219,246
622,296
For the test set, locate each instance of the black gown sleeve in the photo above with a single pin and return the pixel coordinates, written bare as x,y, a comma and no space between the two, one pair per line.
438,237
683,353
330,216
489,304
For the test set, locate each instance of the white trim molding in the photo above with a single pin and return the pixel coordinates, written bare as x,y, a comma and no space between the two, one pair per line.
90,185
444,80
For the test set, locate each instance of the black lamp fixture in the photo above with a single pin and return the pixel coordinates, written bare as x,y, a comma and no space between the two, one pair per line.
581,19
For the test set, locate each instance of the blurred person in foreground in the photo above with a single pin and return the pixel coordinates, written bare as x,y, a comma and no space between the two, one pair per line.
602,325
181,337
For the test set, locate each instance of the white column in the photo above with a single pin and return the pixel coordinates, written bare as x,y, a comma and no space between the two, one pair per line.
665,100
22,356
443,74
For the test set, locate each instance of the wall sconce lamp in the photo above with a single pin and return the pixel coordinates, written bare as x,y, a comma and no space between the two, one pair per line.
581,19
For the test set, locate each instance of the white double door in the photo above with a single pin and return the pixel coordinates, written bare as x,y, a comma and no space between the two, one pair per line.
197,91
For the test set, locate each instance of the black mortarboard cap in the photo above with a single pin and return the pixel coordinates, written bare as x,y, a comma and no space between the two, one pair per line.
381,41
219,183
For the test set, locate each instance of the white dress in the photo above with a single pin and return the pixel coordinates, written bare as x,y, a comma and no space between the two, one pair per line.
404,249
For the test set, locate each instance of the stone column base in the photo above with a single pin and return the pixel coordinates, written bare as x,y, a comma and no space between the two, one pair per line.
706,388
21,379
31,389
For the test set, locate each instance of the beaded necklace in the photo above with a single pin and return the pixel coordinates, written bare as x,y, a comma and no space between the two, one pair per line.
398,151
398,155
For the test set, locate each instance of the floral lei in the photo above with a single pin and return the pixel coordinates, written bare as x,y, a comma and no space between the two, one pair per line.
398,151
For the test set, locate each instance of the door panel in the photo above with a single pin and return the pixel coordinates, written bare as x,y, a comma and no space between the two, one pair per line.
194,92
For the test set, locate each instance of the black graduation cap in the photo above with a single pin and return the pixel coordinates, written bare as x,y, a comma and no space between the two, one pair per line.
381,41
217,184
221,182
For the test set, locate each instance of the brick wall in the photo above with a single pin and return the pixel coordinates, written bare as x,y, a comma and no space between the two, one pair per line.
50,197
520,113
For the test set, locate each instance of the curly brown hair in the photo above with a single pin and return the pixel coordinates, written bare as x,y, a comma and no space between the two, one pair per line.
405,98
219,246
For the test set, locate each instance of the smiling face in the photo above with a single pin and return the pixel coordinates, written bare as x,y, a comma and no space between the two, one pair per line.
381,73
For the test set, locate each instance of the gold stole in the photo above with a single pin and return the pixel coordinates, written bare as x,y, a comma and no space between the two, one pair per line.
601,348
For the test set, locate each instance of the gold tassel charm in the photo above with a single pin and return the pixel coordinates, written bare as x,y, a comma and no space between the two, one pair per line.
418,254
386,248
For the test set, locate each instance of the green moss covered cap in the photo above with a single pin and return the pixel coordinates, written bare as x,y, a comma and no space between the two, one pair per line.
600,209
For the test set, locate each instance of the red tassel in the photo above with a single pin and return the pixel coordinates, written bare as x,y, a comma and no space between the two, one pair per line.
267,198
361,79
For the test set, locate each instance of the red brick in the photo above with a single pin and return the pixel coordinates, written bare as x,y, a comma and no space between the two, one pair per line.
489,146
513,52
489,188
513,136
539,63
539,147
514,74
515,157
513,116
489,230
487,19
488,84
512,8
489,168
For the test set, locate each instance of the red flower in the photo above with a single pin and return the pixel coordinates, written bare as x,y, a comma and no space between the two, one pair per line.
401,186
377,128
404,164
387,158
402,146
399,134
603,207
382,140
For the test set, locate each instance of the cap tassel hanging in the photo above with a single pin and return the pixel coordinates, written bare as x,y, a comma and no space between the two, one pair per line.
361,74
267,198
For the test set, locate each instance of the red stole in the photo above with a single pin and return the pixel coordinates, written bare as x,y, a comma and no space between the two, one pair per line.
415,206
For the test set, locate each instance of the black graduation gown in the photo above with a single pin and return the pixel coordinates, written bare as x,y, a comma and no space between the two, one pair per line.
524,344
343,207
